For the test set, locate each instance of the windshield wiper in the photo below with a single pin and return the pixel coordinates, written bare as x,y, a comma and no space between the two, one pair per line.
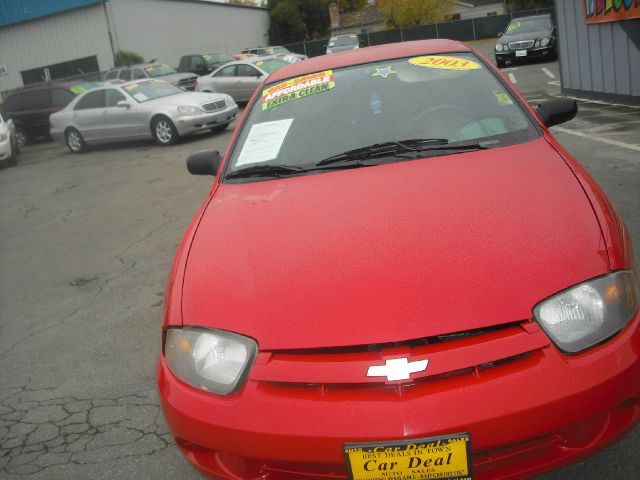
397,148
264,171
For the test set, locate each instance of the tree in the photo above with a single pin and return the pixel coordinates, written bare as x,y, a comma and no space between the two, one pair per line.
124,58
296,20
349,5
403,13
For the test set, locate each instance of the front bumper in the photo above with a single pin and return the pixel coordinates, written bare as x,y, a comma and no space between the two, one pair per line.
525,417
534,52
187,124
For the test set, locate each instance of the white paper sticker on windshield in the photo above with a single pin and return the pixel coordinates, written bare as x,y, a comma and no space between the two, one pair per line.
141,97
264,141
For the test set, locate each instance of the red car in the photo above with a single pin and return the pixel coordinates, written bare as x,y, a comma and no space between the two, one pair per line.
399,274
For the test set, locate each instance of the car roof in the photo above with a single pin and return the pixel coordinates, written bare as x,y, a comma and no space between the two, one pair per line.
52,84
531,17
368,55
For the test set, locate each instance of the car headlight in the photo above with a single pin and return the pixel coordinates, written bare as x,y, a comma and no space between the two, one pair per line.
498,47
589,312
537,43
545,41
3,137
189,110
212,360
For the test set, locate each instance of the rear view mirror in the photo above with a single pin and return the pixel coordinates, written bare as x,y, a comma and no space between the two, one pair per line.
557,111
205,162
500,34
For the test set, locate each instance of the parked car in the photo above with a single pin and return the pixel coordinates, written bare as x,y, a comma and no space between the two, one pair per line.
160,71
275,51
9,148
526,38
241,78
399,273
30,107
137,110
201,64
340,43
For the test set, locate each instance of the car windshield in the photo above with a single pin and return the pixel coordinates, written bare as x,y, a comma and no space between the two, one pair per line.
276,50
449,99
528,25
271,65
150,90
212,58
343,40
159,70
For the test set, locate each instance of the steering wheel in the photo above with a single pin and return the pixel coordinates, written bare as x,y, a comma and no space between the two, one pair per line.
439,121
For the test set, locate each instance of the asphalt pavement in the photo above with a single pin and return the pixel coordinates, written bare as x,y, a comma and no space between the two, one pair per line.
86,243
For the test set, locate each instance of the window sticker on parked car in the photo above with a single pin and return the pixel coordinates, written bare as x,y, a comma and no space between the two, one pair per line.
383,72
141,97
444,62
513,26
296,88
132,87
264,141
503,98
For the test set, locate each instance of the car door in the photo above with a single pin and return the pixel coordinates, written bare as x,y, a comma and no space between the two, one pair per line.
88,115
249,78
35,110
198,65
120,122
225,81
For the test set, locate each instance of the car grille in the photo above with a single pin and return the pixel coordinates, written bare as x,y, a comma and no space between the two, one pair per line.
189,82
214,106
521,45
464,355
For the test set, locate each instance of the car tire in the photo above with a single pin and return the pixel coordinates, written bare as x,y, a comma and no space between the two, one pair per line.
219,128
13,158
164,131
22,138
500,63
74,140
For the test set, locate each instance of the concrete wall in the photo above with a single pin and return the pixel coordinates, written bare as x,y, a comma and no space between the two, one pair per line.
599,61
54,39
168,29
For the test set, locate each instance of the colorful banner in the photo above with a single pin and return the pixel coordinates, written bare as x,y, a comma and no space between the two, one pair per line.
599,11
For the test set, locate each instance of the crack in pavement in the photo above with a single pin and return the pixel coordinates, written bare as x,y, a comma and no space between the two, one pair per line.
37,432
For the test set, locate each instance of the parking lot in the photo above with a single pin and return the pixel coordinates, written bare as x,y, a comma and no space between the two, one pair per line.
85,248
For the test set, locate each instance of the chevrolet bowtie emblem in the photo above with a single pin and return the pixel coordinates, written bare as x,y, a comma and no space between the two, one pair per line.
397,369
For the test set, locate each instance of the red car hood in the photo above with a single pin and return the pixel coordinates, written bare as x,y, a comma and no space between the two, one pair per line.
392,252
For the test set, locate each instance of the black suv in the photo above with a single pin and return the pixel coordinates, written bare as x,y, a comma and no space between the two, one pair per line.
30,107
526,37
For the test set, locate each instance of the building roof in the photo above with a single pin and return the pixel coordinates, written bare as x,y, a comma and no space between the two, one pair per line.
361,18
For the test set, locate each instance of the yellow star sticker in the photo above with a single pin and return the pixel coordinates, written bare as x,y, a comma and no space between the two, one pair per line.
383,72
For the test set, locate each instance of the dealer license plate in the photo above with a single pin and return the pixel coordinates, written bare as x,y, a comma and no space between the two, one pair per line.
521,53
446,457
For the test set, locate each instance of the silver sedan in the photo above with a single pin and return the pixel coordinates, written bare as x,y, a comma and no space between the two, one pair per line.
137,110
240,79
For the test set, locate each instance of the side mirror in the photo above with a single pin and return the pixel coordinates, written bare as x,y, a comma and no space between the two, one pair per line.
557,111
205,162
123,104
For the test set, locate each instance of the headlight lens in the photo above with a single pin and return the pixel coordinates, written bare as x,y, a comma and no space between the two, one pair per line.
545,41
537,43
590,312
3,137
498,47
190,110
212,360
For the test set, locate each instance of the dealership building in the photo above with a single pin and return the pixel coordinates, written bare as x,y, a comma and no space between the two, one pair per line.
44,40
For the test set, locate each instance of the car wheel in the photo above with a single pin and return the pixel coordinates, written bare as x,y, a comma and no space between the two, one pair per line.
220,128
164,131
21,137
74,139
500,63
13,158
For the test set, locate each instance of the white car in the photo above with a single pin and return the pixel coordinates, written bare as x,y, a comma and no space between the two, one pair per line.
138,110
8,143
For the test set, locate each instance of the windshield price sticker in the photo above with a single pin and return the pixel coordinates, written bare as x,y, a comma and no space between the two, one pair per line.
296,88
446,457
444,62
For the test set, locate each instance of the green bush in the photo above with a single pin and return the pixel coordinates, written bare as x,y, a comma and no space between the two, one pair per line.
124,58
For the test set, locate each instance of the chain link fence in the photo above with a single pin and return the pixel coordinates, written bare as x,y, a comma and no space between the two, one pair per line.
463,30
